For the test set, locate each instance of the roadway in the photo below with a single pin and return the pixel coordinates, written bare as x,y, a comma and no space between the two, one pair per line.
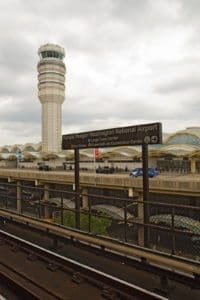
164,175
173,182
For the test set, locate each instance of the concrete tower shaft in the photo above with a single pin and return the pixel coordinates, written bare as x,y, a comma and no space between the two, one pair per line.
51,92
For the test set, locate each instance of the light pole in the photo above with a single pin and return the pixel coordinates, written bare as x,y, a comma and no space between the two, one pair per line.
19,157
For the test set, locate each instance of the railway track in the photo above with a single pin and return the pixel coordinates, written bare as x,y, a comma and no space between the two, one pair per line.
168,275
36,273
175,264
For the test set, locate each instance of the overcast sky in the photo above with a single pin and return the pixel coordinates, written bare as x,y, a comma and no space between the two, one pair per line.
128,62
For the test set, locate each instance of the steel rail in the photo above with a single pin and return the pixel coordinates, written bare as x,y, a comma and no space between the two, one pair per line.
18,282
124,289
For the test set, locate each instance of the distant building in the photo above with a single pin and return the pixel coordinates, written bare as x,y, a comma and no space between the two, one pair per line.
51,92
180,143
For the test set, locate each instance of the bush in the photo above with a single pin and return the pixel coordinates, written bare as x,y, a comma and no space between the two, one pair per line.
99,225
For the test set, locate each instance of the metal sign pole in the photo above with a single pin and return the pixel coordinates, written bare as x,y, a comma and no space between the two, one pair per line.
145,191
131,135
77,189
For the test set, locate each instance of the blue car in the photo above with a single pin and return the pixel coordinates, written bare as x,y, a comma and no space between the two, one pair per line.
136,172
139,172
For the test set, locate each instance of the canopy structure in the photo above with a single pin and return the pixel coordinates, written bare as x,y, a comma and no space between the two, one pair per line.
178,144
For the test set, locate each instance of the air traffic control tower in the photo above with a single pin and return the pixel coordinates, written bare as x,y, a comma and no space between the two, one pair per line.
51,92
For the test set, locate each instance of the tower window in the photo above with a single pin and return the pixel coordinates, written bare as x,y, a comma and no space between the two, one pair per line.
52,54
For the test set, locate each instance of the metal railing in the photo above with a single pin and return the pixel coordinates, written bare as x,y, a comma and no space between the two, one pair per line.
170,228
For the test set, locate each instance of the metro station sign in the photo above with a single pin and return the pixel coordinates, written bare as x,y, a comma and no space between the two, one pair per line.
121,136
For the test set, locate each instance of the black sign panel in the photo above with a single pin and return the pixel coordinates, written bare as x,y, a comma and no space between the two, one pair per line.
122,136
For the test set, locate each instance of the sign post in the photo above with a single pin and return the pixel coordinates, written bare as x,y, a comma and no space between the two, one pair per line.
77,189
19,157
146,134
145,191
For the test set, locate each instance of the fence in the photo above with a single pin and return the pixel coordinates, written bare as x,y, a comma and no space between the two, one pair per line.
165,227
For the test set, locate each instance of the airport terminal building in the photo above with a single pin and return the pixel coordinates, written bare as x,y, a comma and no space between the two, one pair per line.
180,152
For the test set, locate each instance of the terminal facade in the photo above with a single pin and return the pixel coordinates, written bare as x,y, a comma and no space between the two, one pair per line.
180,152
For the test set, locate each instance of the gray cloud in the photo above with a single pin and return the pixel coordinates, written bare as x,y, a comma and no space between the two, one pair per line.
16,54
127,61
146,14
21,112
178,85
190,10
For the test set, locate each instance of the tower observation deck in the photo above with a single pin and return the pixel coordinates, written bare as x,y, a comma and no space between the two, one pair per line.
51,93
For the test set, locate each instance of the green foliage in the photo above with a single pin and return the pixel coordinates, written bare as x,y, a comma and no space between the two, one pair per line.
99,224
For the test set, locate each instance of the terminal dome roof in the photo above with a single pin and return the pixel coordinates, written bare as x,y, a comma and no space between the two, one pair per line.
188,136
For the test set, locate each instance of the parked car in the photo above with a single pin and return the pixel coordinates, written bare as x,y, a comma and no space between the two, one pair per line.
136,172
153,172
43,167
139,172
105,170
